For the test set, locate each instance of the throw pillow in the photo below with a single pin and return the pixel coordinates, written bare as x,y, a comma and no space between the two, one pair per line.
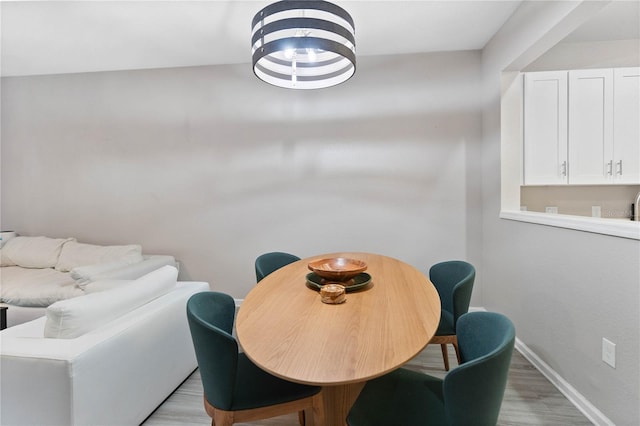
5,260
78,254
33,252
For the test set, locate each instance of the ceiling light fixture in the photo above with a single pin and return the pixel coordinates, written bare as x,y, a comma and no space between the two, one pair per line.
303,44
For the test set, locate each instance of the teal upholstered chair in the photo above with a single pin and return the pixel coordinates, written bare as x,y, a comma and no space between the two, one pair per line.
454,281
268,262
470,394
235,389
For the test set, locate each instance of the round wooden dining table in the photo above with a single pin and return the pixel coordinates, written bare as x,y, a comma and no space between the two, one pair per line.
285,328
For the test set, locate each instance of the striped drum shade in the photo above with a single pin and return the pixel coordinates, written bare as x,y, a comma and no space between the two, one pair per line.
303,44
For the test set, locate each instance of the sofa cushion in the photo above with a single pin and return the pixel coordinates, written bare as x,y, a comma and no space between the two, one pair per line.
36,286
71,318
33,252
76,254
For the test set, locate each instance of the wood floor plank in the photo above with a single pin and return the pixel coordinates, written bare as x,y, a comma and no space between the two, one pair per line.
529,400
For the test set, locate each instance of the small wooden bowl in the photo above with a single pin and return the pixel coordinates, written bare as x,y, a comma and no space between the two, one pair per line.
337,269
333,294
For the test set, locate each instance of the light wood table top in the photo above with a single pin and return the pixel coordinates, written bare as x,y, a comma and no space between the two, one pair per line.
286,330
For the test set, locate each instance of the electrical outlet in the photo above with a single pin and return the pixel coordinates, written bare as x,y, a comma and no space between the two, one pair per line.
596,211
551,209
609,352
523,208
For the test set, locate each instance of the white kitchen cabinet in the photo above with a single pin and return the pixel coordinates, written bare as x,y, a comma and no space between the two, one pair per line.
591,126
582,127
545,128
626,126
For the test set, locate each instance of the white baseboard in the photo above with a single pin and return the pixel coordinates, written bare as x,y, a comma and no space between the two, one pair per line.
575,397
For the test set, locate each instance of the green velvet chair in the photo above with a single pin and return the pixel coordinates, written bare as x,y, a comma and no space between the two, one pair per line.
470,394
454,281
268,262
235,389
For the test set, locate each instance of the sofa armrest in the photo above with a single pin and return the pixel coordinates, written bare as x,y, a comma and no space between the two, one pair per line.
142,356
136,270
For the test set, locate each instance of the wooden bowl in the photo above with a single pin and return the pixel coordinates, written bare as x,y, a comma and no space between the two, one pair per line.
337,269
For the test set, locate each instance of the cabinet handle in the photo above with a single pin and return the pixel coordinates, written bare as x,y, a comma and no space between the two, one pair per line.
619,168
564,168
610,167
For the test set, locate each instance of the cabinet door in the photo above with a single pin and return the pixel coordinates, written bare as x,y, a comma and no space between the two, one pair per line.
626,125
545,128
591,126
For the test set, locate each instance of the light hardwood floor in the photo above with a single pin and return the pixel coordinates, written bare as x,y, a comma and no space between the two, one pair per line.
530,399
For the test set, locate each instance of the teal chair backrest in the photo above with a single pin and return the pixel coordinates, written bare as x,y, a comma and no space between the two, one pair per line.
211,316
454,281
474,390
268,262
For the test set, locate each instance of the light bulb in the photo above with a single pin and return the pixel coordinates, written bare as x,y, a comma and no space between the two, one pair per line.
311,54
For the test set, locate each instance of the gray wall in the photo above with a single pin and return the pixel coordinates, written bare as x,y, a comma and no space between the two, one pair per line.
564,289
215,167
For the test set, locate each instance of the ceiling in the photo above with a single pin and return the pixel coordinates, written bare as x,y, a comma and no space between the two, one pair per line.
52,37
620,20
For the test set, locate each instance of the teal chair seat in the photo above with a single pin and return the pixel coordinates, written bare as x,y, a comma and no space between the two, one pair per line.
469,395
400,398
255,387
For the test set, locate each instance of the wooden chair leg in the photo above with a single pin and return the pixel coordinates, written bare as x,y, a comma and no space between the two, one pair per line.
445,356
455,346
222,418
301,418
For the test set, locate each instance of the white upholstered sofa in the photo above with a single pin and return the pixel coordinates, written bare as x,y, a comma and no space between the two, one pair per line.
107,358
38,271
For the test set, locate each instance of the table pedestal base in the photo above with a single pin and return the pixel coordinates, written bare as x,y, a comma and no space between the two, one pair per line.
338,400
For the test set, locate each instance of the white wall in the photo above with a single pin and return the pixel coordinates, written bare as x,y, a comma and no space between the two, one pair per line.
564,289
599,54
215,167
